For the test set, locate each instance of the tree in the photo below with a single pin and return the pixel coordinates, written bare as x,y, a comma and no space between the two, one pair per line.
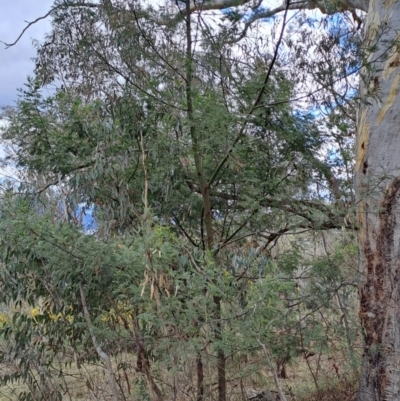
377,186
202,139
377,183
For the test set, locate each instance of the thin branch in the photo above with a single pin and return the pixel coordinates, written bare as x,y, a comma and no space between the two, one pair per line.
175,219
273,61
255,104
8,45
99,350
281,394
342,5
145,173
29,24
55,244
228,239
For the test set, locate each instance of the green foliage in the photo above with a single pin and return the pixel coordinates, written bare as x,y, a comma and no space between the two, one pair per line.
197,168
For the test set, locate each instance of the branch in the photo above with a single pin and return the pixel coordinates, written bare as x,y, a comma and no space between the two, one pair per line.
99,350
281,394
341,5
298,207
273,61
29,24
256,102
185,233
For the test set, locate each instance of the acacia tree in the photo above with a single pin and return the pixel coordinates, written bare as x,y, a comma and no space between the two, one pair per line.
146,119
377,185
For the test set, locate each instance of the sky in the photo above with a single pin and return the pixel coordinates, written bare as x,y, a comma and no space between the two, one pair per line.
15,62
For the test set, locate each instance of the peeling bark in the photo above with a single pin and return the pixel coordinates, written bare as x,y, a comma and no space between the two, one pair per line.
378,197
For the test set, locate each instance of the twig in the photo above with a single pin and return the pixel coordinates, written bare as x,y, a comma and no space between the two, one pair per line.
29,24
8,45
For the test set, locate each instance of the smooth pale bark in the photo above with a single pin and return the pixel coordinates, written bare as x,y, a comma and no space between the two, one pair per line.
378,195
339,5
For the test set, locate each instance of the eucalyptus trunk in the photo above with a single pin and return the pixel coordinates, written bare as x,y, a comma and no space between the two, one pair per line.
378,205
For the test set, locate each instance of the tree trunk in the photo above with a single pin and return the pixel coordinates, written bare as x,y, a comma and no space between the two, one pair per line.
205,192
378,206
200,378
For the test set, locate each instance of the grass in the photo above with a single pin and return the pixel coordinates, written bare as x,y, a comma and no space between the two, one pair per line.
317,378
83,382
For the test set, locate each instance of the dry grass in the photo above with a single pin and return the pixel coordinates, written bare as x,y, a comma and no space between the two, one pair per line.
86,382
317,378
343,390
